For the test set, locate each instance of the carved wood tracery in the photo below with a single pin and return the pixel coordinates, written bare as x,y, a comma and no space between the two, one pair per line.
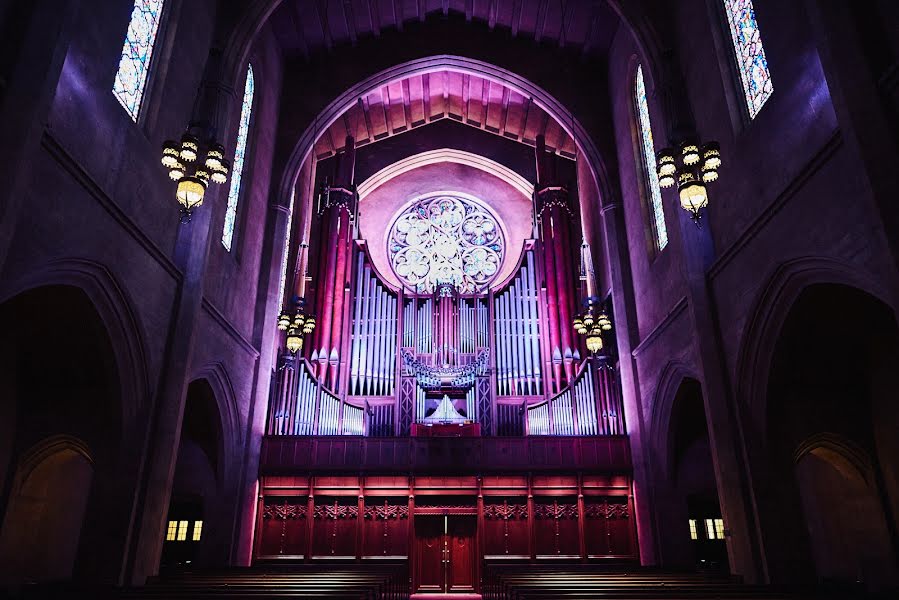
505,511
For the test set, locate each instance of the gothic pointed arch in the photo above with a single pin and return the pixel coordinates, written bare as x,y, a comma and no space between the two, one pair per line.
228,418
114,306
674,374
770,311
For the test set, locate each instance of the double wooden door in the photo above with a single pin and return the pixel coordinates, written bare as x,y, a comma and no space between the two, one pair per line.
445,554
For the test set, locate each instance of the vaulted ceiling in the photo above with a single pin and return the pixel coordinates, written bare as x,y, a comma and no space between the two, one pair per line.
307,27
423,99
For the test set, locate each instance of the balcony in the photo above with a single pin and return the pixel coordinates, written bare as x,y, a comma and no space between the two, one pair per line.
356,454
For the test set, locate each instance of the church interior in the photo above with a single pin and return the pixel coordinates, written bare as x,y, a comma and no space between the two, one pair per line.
472,299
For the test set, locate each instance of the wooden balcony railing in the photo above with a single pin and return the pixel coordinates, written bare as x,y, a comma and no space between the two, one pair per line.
310,454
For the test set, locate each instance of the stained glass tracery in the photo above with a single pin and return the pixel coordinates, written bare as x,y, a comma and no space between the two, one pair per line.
649,162
445,239
750,54
134,65
240,150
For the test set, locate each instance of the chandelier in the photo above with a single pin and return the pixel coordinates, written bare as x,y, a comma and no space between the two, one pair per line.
592,324
193,163
694,167
297,324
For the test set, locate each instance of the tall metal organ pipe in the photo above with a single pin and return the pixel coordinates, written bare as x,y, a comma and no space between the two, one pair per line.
555,215
338,213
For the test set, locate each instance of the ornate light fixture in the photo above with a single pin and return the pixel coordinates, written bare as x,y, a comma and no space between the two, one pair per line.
193,163
696,167
592,324
297,324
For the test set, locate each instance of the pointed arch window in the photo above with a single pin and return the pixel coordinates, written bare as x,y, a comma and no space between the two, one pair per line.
649,163
283,282
240,151
134,64
750,54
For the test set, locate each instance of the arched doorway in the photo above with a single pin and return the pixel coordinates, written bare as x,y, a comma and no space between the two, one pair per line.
196,484
61,423
692,523
828,505
42,526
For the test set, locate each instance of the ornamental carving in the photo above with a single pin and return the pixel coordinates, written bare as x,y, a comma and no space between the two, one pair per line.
615,510
506,511
445,240
555,511
387,511
335,511
284,511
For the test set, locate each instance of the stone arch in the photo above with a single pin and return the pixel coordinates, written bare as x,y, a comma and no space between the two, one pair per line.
842,510
114,307
673,375
770,311
330,113
685,485
854,455
207,470
41,528
230,434
82,395
819,415
243,32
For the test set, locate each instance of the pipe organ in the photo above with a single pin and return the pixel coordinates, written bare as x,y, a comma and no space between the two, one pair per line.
499,354
517,328
375,320
444,386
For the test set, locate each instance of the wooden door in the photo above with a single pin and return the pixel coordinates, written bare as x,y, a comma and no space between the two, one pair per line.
462,566
429,553
445,558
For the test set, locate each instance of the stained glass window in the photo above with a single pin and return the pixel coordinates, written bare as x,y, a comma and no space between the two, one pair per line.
131,78
445,239
286,251
649,162
239,156
750,53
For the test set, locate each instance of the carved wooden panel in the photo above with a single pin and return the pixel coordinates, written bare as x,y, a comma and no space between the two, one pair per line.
284,529
429,554
556,527
386,527
607,526
334,527
462,575
506,527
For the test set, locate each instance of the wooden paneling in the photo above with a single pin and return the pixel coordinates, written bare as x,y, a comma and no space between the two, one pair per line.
513,516
333,454
385,527
556,527
334,527
284,529
421,99
607,531
506,527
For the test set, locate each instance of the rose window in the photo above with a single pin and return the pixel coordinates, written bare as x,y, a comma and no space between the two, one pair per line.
445,239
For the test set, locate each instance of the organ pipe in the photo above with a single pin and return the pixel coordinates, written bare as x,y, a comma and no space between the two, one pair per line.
374,335
517,334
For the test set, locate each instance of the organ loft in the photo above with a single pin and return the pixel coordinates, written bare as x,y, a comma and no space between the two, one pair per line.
459,299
